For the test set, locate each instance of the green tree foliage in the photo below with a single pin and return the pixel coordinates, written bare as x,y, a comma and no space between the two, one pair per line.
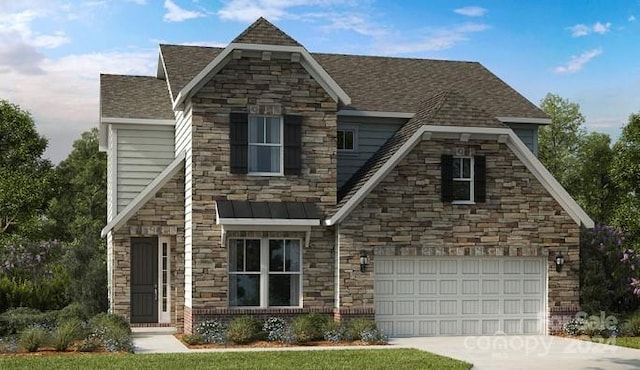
559,141
625,171
79,212
590,182
27,181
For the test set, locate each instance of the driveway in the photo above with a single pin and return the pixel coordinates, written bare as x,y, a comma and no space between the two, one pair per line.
527,352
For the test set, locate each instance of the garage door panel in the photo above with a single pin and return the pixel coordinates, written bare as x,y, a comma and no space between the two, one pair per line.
435,295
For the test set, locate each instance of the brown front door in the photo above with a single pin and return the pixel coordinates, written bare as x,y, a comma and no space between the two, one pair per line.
144,280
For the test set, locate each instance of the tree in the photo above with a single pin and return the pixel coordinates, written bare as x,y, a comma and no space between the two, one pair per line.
79,212
625,171
590,182
559,141
27,181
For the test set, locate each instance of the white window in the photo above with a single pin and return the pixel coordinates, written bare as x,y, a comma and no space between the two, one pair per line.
265,272
463,179
265,145
347,139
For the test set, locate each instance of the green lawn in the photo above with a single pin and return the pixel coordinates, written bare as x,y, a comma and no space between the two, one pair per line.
325,359
631,342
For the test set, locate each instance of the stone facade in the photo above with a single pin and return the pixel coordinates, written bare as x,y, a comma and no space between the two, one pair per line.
277,85
404,215
162,216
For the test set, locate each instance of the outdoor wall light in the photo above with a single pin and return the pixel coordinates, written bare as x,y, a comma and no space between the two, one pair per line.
364,261
559,261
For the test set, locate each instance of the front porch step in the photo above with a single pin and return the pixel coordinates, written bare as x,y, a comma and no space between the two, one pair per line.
164,329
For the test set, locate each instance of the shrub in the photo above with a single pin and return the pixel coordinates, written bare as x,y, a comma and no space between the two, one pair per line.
192,339
242,330
573,327
212,331
373,336
9,344
66,333
90,344
632,324
114,332
16,320
335,332
32,338
356,327
276,329
72,311
309,327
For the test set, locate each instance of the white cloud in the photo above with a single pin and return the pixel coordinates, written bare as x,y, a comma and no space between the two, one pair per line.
471,11
139,2
350,22
632,18
178,14
250,10
436,40
577,62
580,30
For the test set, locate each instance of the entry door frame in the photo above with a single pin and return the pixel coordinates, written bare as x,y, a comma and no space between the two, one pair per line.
144,279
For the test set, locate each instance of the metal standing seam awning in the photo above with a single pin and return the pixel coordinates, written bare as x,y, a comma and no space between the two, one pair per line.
240,215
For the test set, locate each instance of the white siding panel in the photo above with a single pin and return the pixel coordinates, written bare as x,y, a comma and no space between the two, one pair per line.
143,152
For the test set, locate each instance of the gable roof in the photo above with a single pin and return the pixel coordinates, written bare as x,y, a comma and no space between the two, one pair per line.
141,97
445,113
264,32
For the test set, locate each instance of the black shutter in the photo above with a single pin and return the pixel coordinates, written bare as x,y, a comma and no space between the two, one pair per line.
446,172
480,179
292,144
238,137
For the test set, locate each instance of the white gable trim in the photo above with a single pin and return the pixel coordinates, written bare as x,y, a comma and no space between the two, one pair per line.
513,142
307,61
373,113
537,121
146,194
138,121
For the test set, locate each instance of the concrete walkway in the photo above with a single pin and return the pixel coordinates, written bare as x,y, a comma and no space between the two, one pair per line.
486,353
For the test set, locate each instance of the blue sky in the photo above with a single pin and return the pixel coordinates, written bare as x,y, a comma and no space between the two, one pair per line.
52,52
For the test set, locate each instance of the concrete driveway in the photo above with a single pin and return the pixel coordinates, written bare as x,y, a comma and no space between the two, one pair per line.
527,352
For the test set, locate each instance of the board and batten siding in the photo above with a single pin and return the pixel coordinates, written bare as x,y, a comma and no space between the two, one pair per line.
372,132
142,153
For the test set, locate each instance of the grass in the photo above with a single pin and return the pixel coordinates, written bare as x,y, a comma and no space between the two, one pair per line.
631,342
326,359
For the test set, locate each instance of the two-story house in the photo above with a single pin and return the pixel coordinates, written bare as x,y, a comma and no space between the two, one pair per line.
264,179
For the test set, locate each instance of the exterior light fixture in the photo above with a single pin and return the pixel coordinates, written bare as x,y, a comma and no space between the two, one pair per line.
364,261
559,261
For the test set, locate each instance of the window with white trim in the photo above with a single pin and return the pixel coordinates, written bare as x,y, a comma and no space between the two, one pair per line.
265,145
347,139
463,179
265,272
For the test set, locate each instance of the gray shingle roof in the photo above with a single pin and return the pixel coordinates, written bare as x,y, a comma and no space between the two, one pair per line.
443,108
264,32
134,97
183,63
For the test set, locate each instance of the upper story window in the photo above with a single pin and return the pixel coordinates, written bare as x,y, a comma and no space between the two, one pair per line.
265,145
463,179
347,139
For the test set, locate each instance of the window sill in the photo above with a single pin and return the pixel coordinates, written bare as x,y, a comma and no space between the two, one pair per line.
463,202
267,174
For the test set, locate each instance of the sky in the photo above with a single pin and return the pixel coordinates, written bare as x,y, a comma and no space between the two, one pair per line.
53,51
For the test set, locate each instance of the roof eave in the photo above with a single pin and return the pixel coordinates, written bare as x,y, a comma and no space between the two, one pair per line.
501,135
306,60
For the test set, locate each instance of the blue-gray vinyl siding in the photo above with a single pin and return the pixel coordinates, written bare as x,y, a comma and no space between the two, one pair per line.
372,132
528,134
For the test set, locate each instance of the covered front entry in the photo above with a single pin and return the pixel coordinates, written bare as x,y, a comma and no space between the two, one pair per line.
144,280
438,296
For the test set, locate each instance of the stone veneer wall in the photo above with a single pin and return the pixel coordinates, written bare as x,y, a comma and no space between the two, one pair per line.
281,85
404,215
162,216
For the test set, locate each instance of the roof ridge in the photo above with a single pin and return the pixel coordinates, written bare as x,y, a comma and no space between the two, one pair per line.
264,32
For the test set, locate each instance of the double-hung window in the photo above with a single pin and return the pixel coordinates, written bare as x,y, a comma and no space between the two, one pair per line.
346,139
265,144
463,179
265,273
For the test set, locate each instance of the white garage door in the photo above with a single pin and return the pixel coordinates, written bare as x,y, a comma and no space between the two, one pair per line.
431,296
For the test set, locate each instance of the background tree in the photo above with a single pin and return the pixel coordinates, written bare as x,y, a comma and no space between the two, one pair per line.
79,212
625,171
590,182
559,141
27,181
